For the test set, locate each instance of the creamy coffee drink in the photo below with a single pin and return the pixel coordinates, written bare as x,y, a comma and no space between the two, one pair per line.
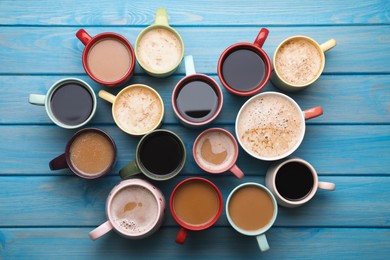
159,50
270,125
298,61
134,210
138,110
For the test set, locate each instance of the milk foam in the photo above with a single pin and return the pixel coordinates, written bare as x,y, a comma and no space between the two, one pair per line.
270,126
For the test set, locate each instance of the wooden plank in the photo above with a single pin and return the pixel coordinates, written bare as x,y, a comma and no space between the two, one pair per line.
66,201
135,13
355,99
48,50
285,243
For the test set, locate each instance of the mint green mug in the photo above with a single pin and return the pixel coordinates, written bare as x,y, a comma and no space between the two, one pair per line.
159,48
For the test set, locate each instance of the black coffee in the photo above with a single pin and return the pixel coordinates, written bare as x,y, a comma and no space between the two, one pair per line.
71,104
294,181
243,70
197,101
161,153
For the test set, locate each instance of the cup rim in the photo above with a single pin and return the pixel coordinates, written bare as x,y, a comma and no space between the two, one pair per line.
91,43
239,46
211,82
224,132
261,230
293,149
189,226
164,27
316,45
70,142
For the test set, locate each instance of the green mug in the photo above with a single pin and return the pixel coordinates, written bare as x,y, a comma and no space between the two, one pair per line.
159,48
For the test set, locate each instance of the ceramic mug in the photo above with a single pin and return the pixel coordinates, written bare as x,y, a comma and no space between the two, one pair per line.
160,156
159,48
298,62
244,68
137,109
70,103
270,126
90,153
197,98
196,204
215,150
294,182
135,209
108,58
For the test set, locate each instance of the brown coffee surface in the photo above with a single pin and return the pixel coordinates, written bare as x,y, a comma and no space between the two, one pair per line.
251,208
109,59
196,203
91,153
298,61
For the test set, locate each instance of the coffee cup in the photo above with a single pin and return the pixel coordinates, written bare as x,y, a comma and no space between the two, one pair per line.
159,48
160,156
137,109
90,153
244,68
294,182
298,62
197,98
134,208
271,125
196,204
215,150
108,58
70,103
251,209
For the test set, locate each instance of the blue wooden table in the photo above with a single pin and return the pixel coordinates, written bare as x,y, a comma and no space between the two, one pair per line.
48,215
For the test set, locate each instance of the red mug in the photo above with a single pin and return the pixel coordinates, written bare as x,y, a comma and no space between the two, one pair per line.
108,58
244,68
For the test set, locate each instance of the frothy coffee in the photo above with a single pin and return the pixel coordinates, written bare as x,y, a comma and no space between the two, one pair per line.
134,210
270,126
159,50
215,151
298,61
138,110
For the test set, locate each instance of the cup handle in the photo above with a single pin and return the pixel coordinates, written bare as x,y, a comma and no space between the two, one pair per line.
181,236
161,17
107,96
237,172
263,243
129,170
326,46
83,36
261,37
100,230
37,99
313,112
189,65
326,185
59,163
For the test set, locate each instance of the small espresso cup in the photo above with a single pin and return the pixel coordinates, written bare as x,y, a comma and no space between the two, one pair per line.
70,103
160,156
294,182
108,58
197,98
298,62
244,68
90,153
134,208
251,209
215,150
137,109
196,204
270,126
159,48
